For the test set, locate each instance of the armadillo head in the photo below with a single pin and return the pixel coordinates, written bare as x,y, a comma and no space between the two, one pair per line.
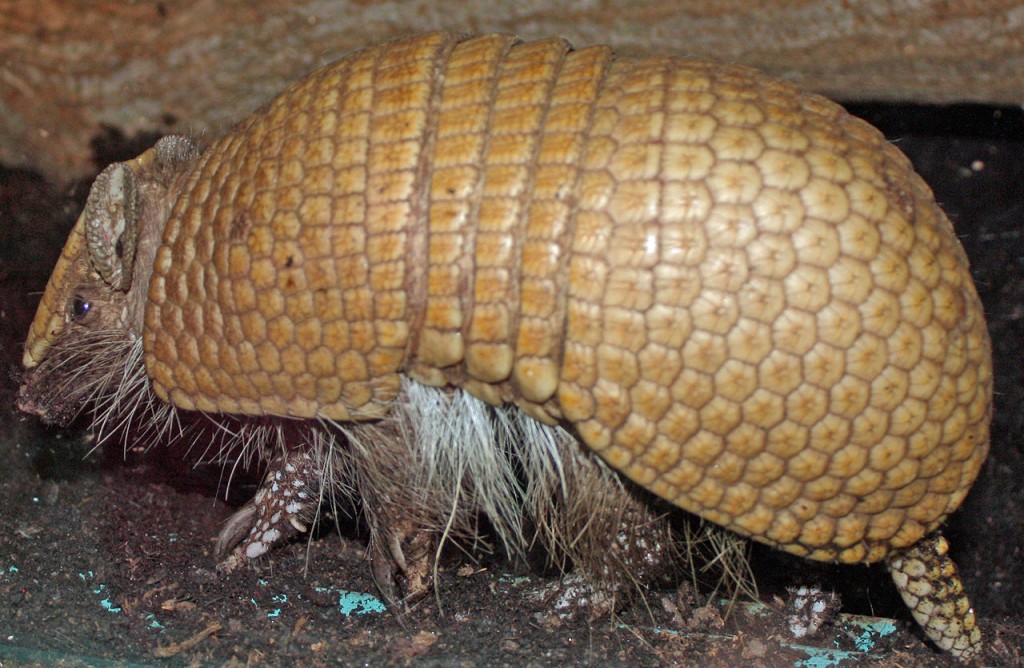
97,291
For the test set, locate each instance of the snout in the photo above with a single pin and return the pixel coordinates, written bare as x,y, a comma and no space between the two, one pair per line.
49,407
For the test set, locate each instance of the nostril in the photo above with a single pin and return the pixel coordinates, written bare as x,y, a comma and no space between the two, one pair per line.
27,403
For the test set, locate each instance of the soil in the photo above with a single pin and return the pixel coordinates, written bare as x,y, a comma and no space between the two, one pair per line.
106,558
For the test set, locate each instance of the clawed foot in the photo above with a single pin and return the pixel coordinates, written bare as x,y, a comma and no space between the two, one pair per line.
288,495
400,554
400,560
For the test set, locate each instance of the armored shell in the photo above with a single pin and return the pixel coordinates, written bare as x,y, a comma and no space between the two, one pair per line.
742,297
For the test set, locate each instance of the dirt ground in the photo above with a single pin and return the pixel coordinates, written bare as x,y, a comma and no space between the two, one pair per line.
106,560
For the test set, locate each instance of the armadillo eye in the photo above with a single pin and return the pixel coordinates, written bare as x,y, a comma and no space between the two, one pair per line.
80,308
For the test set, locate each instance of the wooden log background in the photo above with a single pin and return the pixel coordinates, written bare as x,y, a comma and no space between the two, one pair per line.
71,68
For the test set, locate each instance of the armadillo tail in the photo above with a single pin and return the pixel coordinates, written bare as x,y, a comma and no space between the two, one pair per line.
928,581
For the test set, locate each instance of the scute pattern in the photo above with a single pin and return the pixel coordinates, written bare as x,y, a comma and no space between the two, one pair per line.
737,294
281,285
821,311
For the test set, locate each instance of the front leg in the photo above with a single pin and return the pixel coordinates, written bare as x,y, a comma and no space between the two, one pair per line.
378,473
284,505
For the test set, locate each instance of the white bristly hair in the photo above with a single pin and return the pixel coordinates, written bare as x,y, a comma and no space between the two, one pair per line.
438,464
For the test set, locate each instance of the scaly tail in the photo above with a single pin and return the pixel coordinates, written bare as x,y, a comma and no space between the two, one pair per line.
928,581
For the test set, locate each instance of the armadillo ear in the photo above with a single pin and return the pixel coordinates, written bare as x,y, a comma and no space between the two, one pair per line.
173,150
110,224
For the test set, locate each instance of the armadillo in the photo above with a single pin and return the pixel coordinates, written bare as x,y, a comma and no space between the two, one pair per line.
739,297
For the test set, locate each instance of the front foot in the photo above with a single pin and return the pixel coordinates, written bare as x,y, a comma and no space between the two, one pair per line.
401,552
284,501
